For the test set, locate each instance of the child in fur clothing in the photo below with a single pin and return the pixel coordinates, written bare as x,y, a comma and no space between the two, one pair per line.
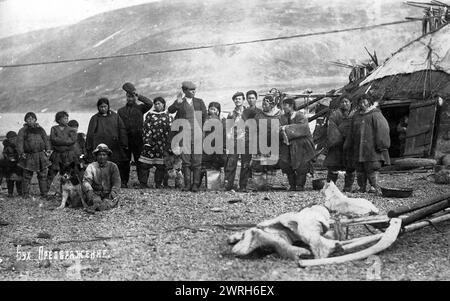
33,147
13,173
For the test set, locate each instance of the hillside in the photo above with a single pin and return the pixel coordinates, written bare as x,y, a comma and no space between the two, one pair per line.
288,64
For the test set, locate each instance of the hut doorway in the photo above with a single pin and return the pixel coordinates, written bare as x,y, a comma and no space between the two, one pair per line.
395,112
412,127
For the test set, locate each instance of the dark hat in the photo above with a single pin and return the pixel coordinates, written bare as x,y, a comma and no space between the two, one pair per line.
29,114
215,105
238,94
129,88
188,85
103,100
102,148
11,134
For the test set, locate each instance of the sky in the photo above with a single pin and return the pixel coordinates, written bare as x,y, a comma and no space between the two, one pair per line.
19,16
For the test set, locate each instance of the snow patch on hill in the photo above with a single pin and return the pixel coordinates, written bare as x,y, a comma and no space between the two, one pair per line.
107,39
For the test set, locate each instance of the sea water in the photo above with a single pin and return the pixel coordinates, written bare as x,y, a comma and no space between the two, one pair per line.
14,121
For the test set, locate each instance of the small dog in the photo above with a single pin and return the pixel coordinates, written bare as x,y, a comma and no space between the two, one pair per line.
336,201
71,190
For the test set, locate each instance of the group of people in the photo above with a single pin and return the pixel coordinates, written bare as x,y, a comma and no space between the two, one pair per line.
358,140
31,151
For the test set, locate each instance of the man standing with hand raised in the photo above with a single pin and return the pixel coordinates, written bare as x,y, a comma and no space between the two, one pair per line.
132,115
193,110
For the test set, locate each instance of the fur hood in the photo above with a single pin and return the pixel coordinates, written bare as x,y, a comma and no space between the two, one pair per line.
36,129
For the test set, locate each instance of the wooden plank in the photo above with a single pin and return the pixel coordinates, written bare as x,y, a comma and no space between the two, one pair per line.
426,130
427,103
419,133
395,103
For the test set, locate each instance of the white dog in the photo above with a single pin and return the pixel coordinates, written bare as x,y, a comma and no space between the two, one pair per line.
336,201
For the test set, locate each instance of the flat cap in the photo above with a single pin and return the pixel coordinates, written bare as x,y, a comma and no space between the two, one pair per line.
238,94
188,85
129,88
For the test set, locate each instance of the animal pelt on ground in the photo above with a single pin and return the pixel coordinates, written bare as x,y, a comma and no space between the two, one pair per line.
291,235
71,189
336,201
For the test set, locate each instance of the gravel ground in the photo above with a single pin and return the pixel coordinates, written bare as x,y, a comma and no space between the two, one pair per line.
169,235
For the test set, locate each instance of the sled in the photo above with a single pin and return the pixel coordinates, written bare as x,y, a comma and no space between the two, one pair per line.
396,222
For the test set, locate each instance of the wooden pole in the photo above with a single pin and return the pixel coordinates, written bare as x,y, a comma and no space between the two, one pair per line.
309,103
424,212
439,3
319,114
425,223
407,209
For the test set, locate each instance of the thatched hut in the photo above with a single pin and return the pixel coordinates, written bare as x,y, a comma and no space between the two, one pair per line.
414,82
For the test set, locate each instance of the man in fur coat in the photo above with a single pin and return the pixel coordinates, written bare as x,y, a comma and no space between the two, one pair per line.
337,159
369,142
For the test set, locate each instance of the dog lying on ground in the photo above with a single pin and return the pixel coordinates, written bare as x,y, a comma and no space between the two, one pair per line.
71,190
336,201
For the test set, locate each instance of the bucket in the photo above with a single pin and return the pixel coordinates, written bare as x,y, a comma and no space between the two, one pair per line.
318,184
260,180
